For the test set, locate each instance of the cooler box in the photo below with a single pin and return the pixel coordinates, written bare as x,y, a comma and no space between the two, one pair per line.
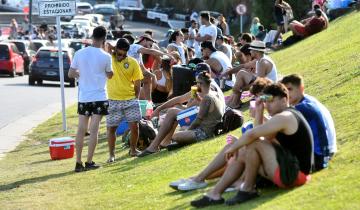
186,117
61,148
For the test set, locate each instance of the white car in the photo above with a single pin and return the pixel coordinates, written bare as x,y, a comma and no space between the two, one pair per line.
99,19
90,18
86,26
83,8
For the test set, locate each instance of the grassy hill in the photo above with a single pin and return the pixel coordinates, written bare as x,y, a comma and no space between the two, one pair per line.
330,64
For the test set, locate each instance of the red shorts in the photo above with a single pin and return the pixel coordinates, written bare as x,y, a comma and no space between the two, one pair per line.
300,30
300,180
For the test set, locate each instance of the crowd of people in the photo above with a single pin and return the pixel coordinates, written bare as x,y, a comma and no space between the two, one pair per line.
293,134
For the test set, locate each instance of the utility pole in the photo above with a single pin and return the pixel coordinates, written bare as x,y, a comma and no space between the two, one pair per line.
30,17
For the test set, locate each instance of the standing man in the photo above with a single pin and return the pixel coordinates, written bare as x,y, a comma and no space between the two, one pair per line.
207,32
91,66
192,34
123,91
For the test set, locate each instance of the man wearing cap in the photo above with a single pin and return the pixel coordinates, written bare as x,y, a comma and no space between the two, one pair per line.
207,32
263,65
223,47
217,60
174,106
143,46
123,92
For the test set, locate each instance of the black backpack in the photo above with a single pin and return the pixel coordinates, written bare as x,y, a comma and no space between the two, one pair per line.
147,133
231,120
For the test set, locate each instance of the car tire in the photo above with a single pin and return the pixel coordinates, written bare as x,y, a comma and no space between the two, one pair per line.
73,83
31,81
13,73
39,81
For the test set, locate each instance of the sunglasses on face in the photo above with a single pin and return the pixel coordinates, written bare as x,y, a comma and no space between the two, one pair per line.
266,98
120,54
199,83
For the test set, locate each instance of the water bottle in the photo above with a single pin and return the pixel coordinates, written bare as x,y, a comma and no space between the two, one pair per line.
149,109
246,126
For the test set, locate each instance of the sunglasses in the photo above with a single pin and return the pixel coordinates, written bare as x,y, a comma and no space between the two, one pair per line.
266,98
199,83
121,54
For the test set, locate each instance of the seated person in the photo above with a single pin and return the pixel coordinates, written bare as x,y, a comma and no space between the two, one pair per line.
217,60
286,130
264,67
218,164
162,85
309,26
318,117
261,34
211,110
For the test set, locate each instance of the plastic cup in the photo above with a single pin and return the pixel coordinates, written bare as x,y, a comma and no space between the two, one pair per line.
193,91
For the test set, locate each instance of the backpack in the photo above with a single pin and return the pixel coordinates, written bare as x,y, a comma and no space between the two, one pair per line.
147,133
231,120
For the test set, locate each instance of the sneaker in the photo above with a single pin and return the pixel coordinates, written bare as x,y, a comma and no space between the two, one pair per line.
241,197
91,166
79,167
176,183
206,201
191,185
111,160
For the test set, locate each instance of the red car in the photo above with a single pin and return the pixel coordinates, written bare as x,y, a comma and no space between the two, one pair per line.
11,61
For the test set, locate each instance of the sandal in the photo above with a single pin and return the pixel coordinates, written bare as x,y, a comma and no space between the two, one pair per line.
137,152
241,197
206,201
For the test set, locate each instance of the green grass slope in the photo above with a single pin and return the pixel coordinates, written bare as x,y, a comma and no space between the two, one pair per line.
330,64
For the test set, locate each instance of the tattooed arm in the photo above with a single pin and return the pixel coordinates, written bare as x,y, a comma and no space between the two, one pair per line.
204,110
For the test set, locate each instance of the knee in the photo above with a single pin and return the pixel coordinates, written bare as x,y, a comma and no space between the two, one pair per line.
172,112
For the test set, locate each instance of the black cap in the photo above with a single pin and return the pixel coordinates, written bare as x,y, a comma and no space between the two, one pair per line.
202,67
123,44
220,37
208,45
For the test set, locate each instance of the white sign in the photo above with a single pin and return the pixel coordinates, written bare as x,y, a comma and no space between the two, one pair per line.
241,9
57,8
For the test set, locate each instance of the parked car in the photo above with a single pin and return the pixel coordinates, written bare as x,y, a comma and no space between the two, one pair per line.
45,66
38,43
27,51
89,18
77,44
71,30
11,61
111,14
83,8
86,26
99,19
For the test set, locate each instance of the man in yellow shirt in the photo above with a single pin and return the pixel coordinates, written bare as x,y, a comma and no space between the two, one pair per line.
123,93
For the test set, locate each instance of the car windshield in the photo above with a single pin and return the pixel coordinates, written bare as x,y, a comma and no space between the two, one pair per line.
104,10
67,26
50,54
83,7
4,52
37,45
82,23
20,46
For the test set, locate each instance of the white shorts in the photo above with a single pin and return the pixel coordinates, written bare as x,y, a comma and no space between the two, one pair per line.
128,110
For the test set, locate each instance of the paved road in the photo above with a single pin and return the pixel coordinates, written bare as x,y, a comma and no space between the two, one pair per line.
23,107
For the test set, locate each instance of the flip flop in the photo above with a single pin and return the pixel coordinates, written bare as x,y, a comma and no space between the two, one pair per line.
145,153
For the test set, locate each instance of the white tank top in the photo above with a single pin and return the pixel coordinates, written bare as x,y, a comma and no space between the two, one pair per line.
223,60
272,75
162,81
